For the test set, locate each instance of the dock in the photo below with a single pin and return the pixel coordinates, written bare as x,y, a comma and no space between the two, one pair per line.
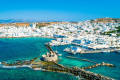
97,51
49,48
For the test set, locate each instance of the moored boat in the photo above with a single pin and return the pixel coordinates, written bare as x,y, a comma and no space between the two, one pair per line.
106,51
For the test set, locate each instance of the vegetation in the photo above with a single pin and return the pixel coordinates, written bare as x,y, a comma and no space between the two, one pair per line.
39,26
118,29
59,28
113,31
50,27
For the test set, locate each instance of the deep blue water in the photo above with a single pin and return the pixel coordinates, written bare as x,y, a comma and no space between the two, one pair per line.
12,49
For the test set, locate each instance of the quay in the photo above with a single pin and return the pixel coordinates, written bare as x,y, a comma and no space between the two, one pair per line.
49,48
97,51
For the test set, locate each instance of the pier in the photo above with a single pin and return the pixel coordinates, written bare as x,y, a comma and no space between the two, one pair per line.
95,65
49,48
81,59
97,51
78,72
52,56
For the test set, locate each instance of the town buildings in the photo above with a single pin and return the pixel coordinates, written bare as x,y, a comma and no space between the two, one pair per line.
86,34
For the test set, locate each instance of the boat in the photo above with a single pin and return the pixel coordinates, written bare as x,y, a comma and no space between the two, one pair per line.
72,52
59,54
106,51
66,49
56,52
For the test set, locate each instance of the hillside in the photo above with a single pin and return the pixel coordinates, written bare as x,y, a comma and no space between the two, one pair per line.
113,20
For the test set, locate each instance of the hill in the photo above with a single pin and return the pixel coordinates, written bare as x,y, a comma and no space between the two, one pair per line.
112,20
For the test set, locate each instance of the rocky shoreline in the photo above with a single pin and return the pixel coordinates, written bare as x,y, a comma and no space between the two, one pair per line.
55,67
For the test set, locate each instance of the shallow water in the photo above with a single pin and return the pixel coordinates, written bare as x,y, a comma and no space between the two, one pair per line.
26,48
12,49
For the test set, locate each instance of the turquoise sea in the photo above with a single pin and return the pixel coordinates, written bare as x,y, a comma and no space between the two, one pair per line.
12,49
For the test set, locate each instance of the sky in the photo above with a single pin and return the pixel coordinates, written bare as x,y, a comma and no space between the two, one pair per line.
59,10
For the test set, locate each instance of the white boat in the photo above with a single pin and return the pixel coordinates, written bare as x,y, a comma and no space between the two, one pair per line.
107,51
38,69
59,54
56,52
66,49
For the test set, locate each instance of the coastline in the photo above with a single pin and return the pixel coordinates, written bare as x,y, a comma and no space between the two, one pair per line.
55,67
28,37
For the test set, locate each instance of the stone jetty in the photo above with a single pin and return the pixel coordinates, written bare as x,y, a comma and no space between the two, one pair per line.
37,64
55,67
95,65
81,59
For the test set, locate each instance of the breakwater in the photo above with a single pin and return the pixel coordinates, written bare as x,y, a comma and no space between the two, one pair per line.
98,64
81,59
49,48
79,72
55,67
95,65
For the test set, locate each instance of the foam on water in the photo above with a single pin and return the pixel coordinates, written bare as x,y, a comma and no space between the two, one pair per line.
28,48
25,49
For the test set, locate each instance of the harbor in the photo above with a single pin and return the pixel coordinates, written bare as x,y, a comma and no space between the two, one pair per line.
38,64
80,50
95,63
55,67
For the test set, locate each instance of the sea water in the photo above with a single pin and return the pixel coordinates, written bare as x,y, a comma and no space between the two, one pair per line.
12,49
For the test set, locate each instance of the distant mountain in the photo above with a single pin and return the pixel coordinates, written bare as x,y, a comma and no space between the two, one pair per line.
17,20
114,20
11,21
